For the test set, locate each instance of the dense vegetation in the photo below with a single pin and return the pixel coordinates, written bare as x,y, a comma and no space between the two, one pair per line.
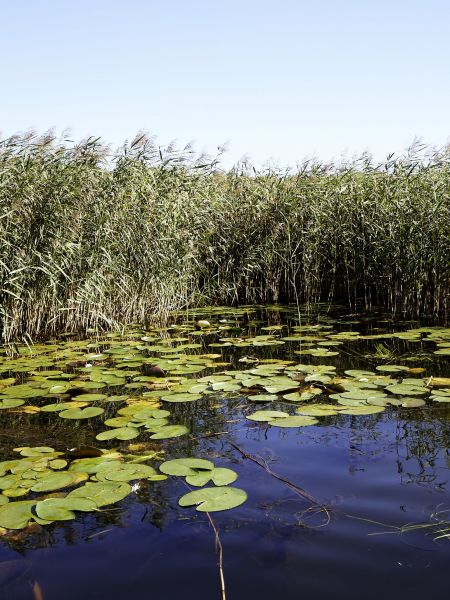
90,239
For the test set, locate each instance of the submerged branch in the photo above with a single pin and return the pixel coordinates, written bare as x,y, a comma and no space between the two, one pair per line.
316,504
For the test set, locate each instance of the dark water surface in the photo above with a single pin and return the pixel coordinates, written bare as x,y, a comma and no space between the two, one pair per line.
372,472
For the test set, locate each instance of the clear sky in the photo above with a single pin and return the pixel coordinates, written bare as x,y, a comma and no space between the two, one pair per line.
277,79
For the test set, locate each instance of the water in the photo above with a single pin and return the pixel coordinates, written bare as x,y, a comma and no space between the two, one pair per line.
372,472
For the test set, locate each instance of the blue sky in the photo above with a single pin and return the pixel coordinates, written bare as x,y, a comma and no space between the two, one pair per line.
277,80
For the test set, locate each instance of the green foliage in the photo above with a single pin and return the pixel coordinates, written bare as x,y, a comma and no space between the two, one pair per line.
88,240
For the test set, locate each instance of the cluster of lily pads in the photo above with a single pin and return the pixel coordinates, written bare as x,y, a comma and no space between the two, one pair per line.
198,472
137,374
41,469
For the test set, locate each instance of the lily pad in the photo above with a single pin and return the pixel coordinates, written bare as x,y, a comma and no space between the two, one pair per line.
267,415
169,431
119,433
185,466
81,413
219,476
10,403
294,421
16,515
102,493
214,499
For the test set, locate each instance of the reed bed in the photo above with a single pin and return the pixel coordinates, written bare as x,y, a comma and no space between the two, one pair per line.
91,239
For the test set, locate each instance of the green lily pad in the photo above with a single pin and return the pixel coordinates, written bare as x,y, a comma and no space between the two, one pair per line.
119,433
90,397
318,410
294,421
214,499
267,415
81,413
391,368
16,515
183,397
34,451
361,410
219,476
263,397
169,431
10,403
102,493
412,402
185,466
55,481
407,390
116,471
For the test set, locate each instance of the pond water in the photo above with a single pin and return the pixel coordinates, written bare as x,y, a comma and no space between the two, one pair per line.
348,499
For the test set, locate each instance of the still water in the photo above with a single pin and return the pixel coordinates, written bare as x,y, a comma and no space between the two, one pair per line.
333,509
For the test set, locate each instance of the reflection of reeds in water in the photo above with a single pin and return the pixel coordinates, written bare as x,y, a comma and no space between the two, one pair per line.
438,526
88,239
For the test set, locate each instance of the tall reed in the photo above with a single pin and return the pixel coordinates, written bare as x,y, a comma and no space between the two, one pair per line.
91,239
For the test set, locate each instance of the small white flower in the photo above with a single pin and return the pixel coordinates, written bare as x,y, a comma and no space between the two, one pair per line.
135,487
88,365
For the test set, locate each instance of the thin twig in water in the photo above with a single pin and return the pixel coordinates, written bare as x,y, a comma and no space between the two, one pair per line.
317,504
220,549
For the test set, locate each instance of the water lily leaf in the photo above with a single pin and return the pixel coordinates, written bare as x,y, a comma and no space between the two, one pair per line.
117,421
214,499
58,463
92,465
392,368
358,374
23,390
169,431
120,433
267,415
299,396
116,471
54,509
183,397
34,451
102,493
90,397
185,466
412,402
55,481
318,410
219,476
81,413
16,515
56,407
10,403
150,413
294,421
361,410
406,390
263,397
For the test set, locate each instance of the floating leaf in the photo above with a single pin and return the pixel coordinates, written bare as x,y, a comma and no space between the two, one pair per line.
295,421
185,466
10,403
183,397
169,431
102,493
214,499
263,397
115,471
56,481
120,433
267,415
16,515
81,413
